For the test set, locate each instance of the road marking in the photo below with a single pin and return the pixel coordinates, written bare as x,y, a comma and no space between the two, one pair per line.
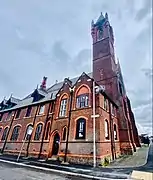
56,171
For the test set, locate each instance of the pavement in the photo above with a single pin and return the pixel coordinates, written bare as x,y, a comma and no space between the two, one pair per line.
81,171
137,159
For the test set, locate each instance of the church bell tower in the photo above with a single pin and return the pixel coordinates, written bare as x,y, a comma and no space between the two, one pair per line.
104,66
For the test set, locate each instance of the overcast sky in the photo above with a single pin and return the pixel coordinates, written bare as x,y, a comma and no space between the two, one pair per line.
52,38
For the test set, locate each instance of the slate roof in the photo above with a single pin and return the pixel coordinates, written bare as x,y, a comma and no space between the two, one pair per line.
49,94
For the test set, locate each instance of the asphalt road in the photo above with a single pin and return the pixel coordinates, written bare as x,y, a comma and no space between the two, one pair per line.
10,172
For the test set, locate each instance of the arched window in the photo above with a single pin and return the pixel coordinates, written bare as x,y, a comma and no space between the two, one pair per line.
28,136
63,106
38,131
47,131
81,129
115,132
5,134
106,130
15,133
64,134
82,98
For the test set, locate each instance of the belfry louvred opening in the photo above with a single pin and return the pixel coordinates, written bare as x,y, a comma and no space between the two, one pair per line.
61,115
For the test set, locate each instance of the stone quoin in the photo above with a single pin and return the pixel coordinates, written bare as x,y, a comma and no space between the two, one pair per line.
61,115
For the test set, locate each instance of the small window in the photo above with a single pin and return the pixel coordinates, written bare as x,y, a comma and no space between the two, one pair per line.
38,132
15,133
82,101
47,131
1,115
28,111
42,108
125,108
112,109
64,134
81,129
106,130
120,89
63,106
18,113
115,132
9,116
105,103
5,134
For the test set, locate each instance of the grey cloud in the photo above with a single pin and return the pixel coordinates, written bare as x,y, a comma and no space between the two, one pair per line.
59,53
148,72
143,12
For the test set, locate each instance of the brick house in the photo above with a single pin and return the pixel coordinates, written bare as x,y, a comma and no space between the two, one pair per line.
61,116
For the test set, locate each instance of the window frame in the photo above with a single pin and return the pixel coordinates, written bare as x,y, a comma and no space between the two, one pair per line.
105,103
15,133
82,102
63,107
38,133
27,137
80,128
47,131
4,133
106,129
40,111
28,114
115,132
17,114
64,133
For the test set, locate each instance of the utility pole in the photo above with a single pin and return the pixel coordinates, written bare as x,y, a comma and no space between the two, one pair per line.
69,121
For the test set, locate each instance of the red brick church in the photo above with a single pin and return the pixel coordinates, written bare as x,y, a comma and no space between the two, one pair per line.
62,115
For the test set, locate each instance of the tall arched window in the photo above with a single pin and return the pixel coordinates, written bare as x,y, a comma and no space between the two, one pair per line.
27,136
81,129
63,106
5,134
47,131
15,133
106,130
115,132
38,131
82,97
64,134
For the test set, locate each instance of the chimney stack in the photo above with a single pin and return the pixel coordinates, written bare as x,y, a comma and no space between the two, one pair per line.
43,84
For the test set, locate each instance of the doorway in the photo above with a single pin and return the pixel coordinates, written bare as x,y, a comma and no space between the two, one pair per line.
56,143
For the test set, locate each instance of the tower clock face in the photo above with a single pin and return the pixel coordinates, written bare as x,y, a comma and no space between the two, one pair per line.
100,34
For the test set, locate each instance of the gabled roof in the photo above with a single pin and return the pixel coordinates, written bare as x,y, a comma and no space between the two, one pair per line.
57,86
49,94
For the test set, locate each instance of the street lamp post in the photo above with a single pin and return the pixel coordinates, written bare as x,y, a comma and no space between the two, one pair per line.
94,127
96,89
